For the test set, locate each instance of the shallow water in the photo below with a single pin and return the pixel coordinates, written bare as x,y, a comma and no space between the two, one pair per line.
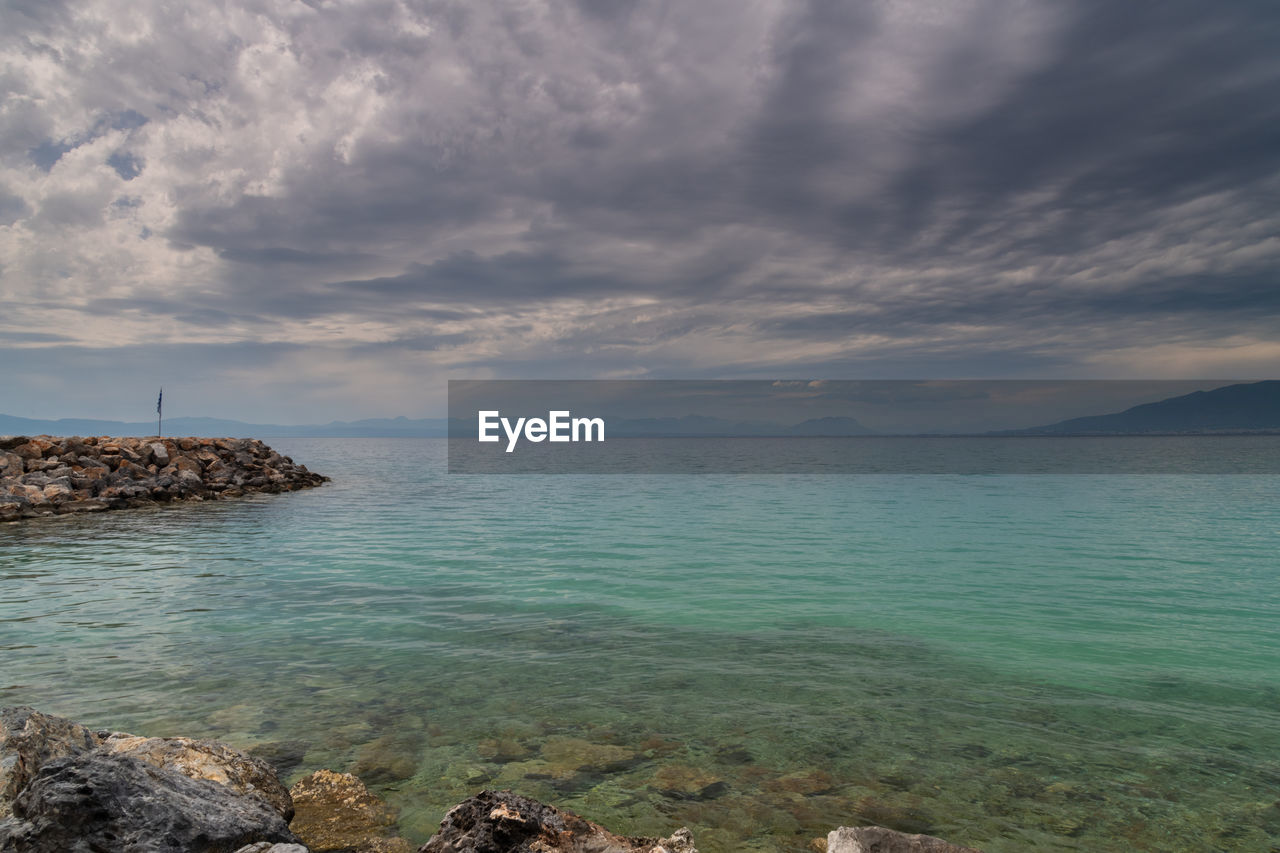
1055,662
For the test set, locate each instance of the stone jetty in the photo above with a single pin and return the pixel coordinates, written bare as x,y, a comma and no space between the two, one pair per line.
66,788
46,475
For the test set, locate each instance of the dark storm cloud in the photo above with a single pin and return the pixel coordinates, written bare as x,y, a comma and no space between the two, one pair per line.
1129,111
1206,300
659,188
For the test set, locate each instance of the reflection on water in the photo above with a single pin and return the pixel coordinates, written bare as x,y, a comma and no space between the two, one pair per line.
1056,663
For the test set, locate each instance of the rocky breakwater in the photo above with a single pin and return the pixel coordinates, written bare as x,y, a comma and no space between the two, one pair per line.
44,475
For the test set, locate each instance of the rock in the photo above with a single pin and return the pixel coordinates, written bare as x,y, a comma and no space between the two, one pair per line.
502,750
87,505
681,782
336,812
284,756
268,847
504,822
389,758
877,839
11,464
806,783
33,449
577,754
11,509
680,841
103,802
517,771
58,492
211,760
28,741
159,453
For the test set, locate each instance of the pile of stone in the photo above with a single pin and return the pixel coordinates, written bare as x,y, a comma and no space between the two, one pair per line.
44,475
66,788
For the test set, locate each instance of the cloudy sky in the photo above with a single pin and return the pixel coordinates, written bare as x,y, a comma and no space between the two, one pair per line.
308,210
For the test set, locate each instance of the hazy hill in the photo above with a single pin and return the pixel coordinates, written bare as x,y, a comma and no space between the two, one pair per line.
1247,407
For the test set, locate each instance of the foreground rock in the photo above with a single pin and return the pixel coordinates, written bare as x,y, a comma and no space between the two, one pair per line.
99,801
211,760
503,822
66,788
877,839
336,813
43,475
28,741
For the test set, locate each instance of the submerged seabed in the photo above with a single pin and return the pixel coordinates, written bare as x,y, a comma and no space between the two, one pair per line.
1019,662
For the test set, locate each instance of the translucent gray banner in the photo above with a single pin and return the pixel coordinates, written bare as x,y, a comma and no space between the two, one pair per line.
864,427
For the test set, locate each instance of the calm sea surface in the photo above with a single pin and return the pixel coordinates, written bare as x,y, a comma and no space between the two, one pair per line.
1019,662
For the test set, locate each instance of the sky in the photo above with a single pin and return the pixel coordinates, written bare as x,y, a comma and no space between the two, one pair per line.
303,211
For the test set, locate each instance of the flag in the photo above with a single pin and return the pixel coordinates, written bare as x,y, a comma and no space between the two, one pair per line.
159,401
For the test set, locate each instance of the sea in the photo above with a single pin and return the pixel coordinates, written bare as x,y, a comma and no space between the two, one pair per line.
1014,661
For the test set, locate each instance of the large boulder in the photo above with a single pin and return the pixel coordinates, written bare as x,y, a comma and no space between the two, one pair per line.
505,822
877,839
104,802
211,760
28,741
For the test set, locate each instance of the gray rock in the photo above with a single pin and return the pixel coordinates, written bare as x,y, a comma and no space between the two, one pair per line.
11,464
208,759
100,802
12,509
28,741
877,839
268,847
505,822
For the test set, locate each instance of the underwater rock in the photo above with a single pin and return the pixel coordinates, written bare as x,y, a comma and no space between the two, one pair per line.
336,812
100,801
877,839
807,783
502,750
389,758
505,822
575,754
282,755
537,769
903,815
211,760
268,847
28,741
682,782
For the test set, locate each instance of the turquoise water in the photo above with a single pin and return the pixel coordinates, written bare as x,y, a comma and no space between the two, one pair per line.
1017,662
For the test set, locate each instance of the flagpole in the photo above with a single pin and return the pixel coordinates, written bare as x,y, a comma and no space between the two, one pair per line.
160,414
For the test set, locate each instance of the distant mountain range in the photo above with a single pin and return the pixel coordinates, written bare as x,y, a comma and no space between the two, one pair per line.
1248,407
